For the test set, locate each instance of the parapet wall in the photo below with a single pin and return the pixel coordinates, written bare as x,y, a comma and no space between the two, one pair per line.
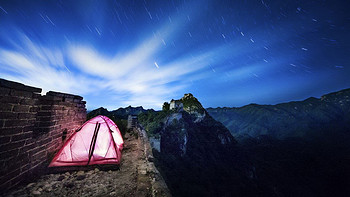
32,128
146,167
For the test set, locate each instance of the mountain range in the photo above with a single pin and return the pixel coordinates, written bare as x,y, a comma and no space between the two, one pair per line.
298,148
292,119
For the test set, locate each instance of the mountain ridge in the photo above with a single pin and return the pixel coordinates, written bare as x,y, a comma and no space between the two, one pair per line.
290,119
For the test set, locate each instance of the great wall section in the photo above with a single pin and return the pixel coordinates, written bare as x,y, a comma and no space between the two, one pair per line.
34,126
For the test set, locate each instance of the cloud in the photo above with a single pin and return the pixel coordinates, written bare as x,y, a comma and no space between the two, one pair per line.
38,66
136,76
130,77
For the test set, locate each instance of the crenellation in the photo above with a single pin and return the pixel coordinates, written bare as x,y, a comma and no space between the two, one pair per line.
32,128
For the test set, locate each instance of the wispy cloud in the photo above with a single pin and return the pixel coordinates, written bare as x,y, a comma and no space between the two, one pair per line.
39,66
140,74
130,78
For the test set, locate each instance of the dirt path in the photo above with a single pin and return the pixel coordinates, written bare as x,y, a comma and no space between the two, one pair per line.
134,178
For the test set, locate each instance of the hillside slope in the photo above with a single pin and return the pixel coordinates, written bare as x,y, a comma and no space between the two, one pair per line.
293,119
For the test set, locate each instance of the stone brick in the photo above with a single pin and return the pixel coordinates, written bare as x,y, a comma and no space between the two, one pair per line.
10,131
46,102
26,116
69,99
8,115
5,155
36,149
40,130
4,107
77,100
4,139
21,108
13,164
45,107
25,168
34,109
39,156
30,101
52,98
20,93
14,173
40,113
4,91
56,135
26,148
47,123
71,112
23,158
34,127
44,118
76,97
15,123
36,95
12,145
30,141
10,99
16,180
18,86
21,136
28,128
43,141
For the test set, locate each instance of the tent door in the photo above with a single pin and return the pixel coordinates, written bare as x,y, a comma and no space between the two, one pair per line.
93,141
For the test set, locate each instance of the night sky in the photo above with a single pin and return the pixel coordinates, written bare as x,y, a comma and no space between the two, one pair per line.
227,53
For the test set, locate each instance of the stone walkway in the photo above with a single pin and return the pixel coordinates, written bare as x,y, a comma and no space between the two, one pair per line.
136,176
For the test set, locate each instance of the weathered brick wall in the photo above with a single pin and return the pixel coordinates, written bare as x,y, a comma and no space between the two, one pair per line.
32,128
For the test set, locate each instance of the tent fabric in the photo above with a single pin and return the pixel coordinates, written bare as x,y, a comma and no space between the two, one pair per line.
98,141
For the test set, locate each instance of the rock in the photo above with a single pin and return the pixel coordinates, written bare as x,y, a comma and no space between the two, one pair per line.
80,177
90,172
143,171
127,135
60,178
36,193
47,185
30,185
97,170
150,158
80,173
67,173
69,184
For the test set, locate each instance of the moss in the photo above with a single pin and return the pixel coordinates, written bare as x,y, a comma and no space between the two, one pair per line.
153,121
166,106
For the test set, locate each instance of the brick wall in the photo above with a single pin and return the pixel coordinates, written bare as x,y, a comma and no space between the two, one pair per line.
32,128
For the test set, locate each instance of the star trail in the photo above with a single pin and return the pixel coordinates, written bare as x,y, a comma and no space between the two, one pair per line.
227,53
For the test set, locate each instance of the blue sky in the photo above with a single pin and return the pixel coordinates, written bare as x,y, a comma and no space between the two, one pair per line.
227,53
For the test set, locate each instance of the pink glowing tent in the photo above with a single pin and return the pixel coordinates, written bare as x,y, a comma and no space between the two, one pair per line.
98,141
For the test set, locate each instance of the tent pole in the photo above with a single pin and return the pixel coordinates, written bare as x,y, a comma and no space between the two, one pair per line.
93,141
